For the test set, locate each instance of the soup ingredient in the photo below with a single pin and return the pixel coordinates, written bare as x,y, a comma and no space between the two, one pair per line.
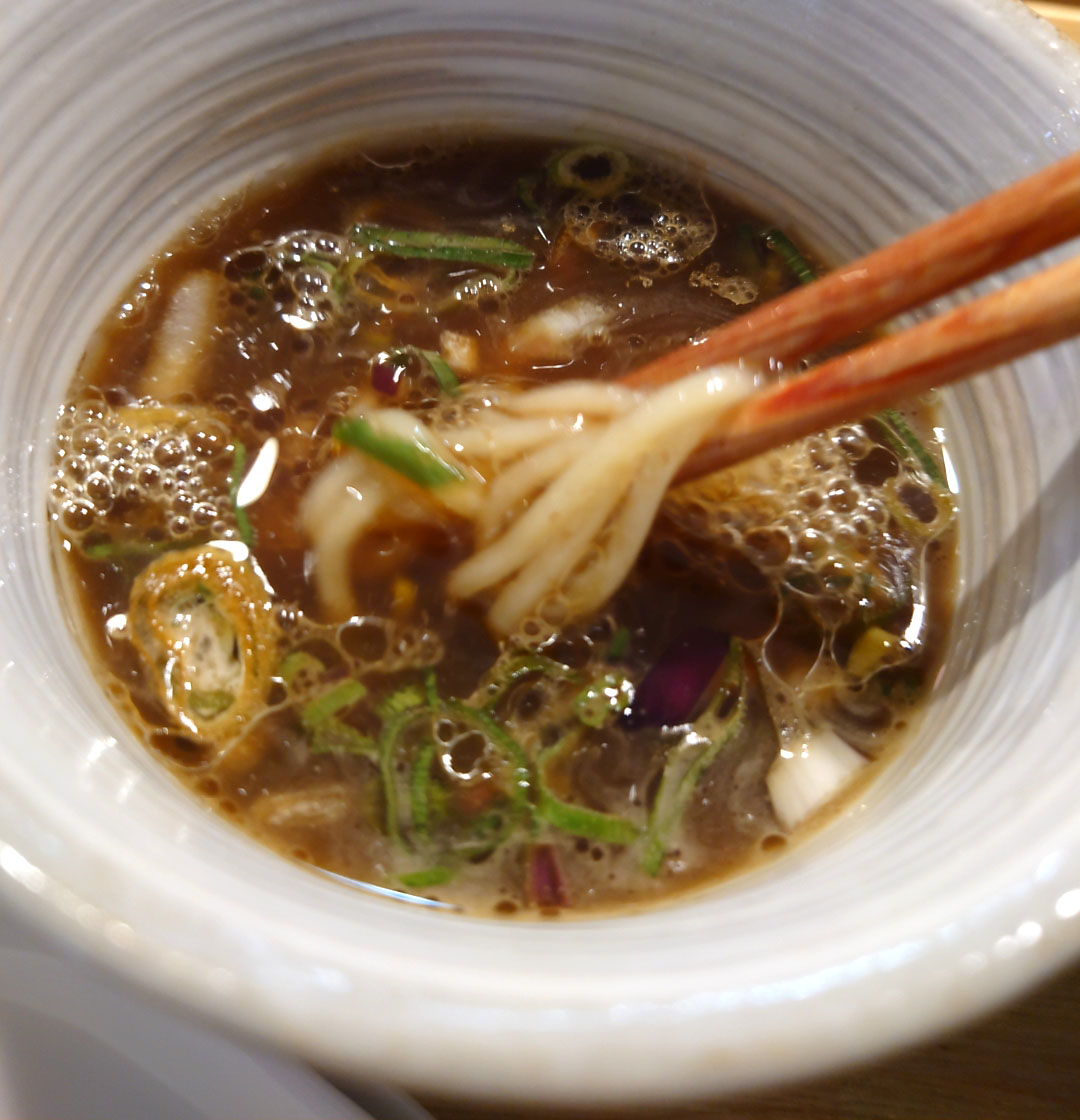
204,620
389,570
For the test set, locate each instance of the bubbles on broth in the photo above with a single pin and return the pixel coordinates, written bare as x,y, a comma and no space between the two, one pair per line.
655,225
397,740
139,468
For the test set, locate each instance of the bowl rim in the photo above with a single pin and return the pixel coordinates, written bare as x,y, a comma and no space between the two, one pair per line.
199,985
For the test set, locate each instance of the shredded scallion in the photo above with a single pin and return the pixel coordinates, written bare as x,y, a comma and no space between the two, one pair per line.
780,242
601,701
429,245
411,458
428,877
299,664
680,776
619,644
439,366
577,820
236,476
907,444
343,695
419,785
335,736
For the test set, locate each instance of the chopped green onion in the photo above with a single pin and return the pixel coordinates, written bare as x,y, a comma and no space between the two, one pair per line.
236,476
298,664
580,821
679,779
405,698
343,695
429,877
593,169
507,744
523,666
431,689
526,191
334,736
472,288
392,730
439,366
428,245
125,550
599,702
206,705
411,458
619,644
907,444
792,257
419,786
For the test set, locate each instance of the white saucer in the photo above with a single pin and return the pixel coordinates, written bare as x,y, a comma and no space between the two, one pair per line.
77,1043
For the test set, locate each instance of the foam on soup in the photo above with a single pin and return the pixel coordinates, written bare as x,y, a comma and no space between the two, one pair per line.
289,466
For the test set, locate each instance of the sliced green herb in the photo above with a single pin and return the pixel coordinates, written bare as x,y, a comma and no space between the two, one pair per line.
342,695
509,747
487,832
431,689
599,702
526,191
792,257
299,664
335,736
439,366
419,787
126,550
577,820
592,169
392,731
429,245
619,644
405,698
429,877
236,476
907,444
411,458
680,776
472,288
206,705
522,666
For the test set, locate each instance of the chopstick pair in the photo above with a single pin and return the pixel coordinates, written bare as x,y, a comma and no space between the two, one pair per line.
1000,230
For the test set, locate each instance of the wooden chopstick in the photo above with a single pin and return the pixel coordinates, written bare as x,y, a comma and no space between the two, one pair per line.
999,230
1029,315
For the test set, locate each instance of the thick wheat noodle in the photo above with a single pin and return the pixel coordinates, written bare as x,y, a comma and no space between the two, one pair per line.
522,480
501,439
337,507
537,573
626,535
588,483
587,397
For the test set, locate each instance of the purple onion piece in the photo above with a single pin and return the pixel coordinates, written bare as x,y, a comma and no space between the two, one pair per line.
386,376
672,689
547,887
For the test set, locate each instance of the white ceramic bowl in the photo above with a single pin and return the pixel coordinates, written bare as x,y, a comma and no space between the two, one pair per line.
953,884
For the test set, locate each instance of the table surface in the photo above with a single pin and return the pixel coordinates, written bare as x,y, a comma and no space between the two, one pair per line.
1022,1063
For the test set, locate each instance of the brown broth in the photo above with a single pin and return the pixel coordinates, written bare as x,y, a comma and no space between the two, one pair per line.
796,572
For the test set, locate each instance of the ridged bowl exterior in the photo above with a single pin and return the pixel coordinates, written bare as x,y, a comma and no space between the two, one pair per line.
953,883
